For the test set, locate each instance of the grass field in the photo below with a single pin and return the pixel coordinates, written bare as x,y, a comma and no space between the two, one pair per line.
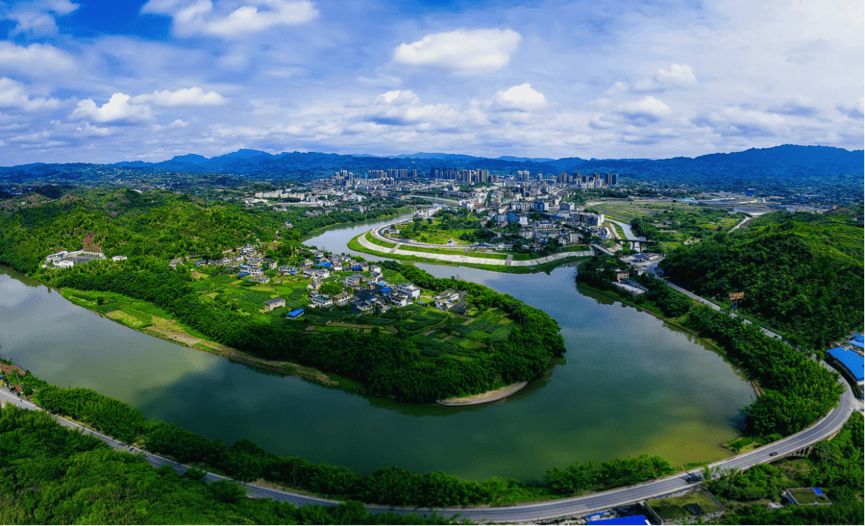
808,496
675,508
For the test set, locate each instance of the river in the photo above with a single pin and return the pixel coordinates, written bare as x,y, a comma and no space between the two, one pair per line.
628,384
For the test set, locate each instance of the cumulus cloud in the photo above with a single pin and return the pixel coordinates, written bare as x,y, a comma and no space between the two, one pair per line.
677,76
35,60
116,109
38,17
397,98
465,52
521,97
182,97
644,111
14,95
88,130
404,108
191,17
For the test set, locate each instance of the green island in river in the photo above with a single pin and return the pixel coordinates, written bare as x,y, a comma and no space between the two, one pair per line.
203,276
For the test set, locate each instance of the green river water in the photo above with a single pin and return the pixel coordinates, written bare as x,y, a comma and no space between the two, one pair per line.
628,384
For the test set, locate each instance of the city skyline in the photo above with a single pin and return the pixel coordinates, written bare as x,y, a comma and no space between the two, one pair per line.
109,82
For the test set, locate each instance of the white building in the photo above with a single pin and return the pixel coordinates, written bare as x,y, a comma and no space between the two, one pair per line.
409,289
322,300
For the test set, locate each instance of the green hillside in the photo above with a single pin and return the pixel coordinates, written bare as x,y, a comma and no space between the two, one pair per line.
158,223
801,273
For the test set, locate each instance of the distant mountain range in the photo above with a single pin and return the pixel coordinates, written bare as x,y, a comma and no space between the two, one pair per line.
787,161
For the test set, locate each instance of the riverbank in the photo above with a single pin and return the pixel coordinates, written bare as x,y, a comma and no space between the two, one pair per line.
318,231
675,322
361,244
485,397
171,331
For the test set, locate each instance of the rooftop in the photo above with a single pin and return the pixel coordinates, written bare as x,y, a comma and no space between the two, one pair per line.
854,362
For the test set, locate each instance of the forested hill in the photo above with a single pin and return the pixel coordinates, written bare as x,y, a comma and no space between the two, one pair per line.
801,273
157,224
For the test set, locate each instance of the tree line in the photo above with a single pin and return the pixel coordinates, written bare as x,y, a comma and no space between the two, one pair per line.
246,461
53,475
798,390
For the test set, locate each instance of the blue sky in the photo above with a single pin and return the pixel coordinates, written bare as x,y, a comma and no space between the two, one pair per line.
107,81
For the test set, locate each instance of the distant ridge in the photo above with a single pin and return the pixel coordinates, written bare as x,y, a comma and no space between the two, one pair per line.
779,161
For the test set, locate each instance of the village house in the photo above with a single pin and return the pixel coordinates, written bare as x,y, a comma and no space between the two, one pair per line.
343,298
399,299
409,289
354,280
321,301
274,304
447,299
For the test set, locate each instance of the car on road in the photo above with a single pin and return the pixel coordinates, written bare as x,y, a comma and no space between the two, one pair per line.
772,454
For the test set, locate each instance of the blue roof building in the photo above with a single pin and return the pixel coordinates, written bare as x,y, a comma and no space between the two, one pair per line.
293,315
634,519
858,341
325,264
853,362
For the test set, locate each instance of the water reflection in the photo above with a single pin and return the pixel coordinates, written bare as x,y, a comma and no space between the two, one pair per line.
628,384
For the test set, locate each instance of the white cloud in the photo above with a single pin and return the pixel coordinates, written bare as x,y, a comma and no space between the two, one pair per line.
39,17
13,95
178,124
466,52
677,76
116,109
404,108
521,97
644,111
397,98
192,17
89,130
182,97
743,122
35,60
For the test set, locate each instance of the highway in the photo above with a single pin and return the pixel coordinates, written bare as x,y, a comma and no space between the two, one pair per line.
824,428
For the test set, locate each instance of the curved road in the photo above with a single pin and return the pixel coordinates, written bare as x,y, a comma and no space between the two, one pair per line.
824,428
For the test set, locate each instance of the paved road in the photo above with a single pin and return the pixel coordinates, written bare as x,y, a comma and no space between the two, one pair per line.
708,303
739,224
827,426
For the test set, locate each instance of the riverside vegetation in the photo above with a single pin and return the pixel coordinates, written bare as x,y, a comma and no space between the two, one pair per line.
797,390
54,475
246,461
